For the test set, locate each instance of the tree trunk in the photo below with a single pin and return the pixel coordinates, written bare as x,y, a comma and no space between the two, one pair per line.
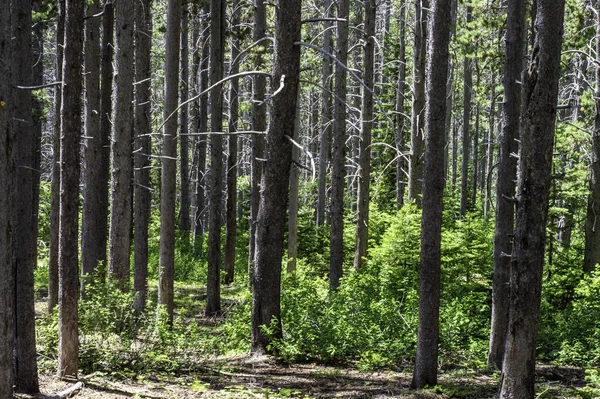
466,137
338,170
94,215
592,224
68,255
401,164
505,185
7,282
232,160
121,146
217,54
169,162
425,372
293,197
275,182
142,126
364,178
476,140
184,161
324,148
21,144
540,91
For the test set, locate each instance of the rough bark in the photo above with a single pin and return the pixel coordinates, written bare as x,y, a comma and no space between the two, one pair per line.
425,372
184,157
293,197
466,129
364,177
338,170
417,140
141,190
217,54
169,162
401,164
275,182
121,145
592,224
538,116
21,142
94,221
505,185
68,255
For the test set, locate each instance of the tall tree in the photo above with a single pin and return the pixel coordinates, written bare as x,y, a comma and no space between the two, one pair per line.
592,224
466,136
364,177
217,54
7,283
232,159
68,255
417,139
184,158
294,193
505,185
426,362
275,182
540,92
21,144
401,164
338,170
121,145
169,161
94,221
141,190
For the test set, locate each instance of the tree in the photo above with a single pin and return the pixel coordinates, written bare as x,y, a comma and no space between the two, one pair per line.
505,185
21,146
7,283
68,255
217,54
169,161
275,182
362,222
417,140
121,146
141,190
400,119
592,225
540,91
184,161
338,170
94,221
466,137
425,372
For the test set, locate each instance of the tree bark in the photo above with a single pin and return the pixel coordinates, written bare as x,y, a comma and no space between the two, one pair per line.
505,185
425,372
121,146
275,182
142,126
466,136
540,85
401,164
293,197
184,157
364,177
338,170
68,255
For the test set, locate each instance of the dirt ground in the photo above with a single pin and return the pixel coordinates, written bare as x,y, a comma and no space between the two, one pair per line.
264,377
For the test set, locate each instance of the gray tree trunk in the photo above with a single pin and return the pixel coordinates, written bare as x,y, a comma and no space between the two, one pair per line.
592,224
417,139
425,372
466,136
505,185
401,164
217,54
184,157
121,145
364,177
540,92
141,189
275,182
293,197
94,221
338,170
68,254
21,142
168,177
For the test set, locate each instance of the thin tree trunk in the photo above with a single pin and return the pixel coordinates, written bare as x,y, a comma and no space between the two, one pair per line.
338,170
270,227
401,164
364,179
476,140
466,136
68,254
505,185
425,372
121,146
184,157
540,92
169,163
141,189
293,197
